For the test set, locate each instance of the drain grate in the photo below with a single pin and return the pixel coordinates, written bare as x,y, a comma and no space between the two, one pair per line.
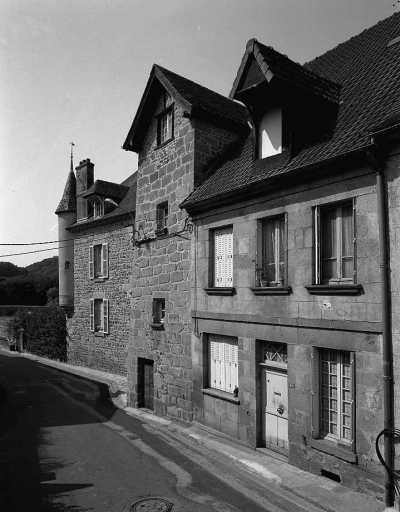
151,505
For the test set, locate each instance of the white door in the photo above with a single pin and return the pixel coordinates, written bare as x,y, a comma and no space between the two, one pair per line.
275,407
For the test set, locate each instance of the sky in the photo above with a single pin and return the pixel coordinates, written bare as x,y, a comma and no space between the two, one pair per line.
75,70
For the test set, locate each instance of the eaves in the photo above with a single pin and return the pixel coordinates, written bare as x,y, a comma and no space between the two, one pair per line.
101,221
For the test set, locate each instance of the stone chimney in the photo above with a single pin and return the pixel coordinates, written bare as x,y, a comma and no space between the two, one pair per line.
84,180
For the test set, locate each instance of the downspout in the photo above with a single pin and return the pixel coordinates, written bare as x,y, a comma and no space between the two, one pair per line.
386,333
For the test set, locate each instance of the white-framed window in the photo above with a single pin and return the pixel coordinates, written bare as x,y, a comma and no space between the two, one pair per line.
333,395
166,126
158,311
272,252
98,207
335,243
162,215
98,261
223,362
99,315
223,257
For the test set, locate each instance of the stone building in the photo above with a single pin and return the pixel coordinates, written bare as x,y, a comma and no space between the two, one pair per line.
179,129
245,277
96,220
292,288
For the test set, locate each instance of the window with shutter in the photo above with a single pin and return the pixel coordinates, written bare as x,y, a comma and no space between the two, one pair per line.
98,261
223,362
99,315
223,257
335,243
272,253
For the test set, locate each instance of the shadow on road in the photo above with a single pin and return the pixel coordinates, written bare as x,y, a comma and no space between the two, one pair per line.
30,407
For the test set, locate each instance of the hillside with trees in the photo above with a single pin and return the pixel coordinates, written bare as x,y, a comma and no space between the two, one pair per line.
34,285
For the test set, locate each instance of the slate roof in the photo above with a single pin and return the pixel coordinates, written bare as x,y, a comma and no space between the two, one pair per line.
192,96
368,71
68,200
106,189
274,64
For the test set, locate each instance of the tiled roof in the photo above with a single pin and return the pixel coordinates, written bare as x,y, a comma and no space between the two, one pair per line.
205,99
68,200
274,64
193,97
106,189
369,73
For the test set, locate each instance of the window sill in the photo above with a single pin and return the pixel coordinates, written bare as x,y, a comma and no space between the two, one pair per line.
157,326
334,289
331,448
162,144
99,334
223,395
272,290
161,231
99,279
220,291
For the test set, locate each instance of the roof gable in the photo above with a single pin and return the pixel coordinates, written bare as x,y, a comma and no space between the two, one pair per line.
192,97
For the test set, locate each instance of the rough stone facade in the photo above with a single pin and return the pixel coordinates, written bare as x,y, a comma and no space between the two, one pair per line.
300,320
105,352
162,262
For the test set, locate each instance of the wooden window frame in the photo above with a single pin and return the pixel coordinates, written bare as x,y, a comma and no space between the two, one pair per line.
158,315
281,278
162,218
103,304
227,281
94,255
161,116
223,366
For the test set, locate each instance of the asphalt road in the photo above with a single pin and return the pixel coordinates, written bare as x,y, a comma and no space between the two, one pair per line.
65,447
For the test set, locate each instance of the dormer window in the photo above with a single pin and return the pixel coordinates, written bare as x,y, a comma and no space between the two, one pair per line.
98,208
165,126
270,133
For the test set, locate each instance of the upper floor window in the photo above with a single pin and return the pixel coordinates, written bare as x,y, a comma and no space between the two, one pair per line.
98,261
270,133
162,216
98,208
165,126
223,257
335,244
272,252
99,315
158,311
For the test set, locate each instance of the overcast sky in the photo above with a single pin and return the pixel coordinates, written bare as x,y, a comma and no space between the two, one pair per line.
75,70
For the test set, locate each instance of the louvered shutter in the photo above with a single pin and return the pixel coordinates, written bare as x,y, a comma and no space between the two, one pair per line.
104,269
105,316
231,366
223,254
317,214
91,262
315,395
92,315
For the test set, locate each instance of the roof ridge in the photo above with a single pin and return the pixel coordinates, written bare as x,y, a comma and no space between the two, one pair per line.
345,43
162,69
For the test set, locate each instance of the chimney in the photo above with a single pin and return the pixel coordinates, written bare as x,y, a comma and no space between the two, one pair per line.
84,180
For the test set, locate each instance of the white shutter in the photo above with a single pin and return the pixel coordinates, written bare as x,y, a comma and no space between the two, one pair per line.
104,270
315,395
231,365
318,269
91,264
223,254
105,316
92,315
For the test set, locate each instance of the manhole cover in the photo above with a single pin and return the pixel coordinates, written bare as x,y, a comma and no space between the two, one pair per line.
151,505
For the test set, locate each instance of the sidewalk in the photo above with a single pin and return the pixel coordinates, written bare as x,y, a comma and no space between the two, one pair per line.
270,466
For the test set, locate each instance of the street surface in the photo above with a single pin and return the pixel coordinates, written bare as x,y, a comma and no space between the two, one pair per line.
65,447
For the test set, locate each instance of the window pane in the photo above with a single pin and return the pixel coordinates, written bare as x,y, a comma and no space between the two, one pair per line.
347,241
328,230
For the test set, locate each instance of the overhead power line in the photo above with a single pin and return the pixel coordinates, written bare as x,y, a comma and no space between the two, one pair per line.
41,243
32,252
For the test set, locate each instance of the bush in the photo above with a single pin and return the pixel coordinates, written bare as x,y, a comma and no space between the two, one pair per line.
45,331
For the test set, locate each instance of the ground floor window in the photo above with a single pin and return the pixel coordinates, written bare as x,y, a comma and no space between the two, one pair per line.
223,362
334,393
99,315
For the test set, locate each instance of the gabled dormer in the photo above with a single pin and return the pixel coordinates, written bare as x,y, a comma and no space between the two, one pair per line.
104,197
291,107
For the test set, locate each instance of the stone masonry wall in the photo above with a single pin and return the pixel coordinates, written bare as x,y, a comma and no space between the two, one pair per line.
108,352
162,266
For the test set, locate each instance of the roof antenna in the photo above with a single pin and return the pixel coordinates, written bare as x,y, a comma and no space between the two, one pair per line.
72,156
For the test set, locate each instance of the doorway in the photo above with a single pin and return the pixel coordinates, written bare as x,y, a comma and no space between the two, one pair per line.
146,383
274,396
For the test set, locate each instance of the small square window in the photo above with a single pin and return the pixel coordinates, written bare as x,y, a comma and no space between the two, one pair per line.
158,311
162,216
165,126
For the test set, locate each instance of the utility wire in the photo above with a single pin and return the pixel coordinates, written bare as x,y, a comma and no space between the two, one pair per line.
41,243
32,252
